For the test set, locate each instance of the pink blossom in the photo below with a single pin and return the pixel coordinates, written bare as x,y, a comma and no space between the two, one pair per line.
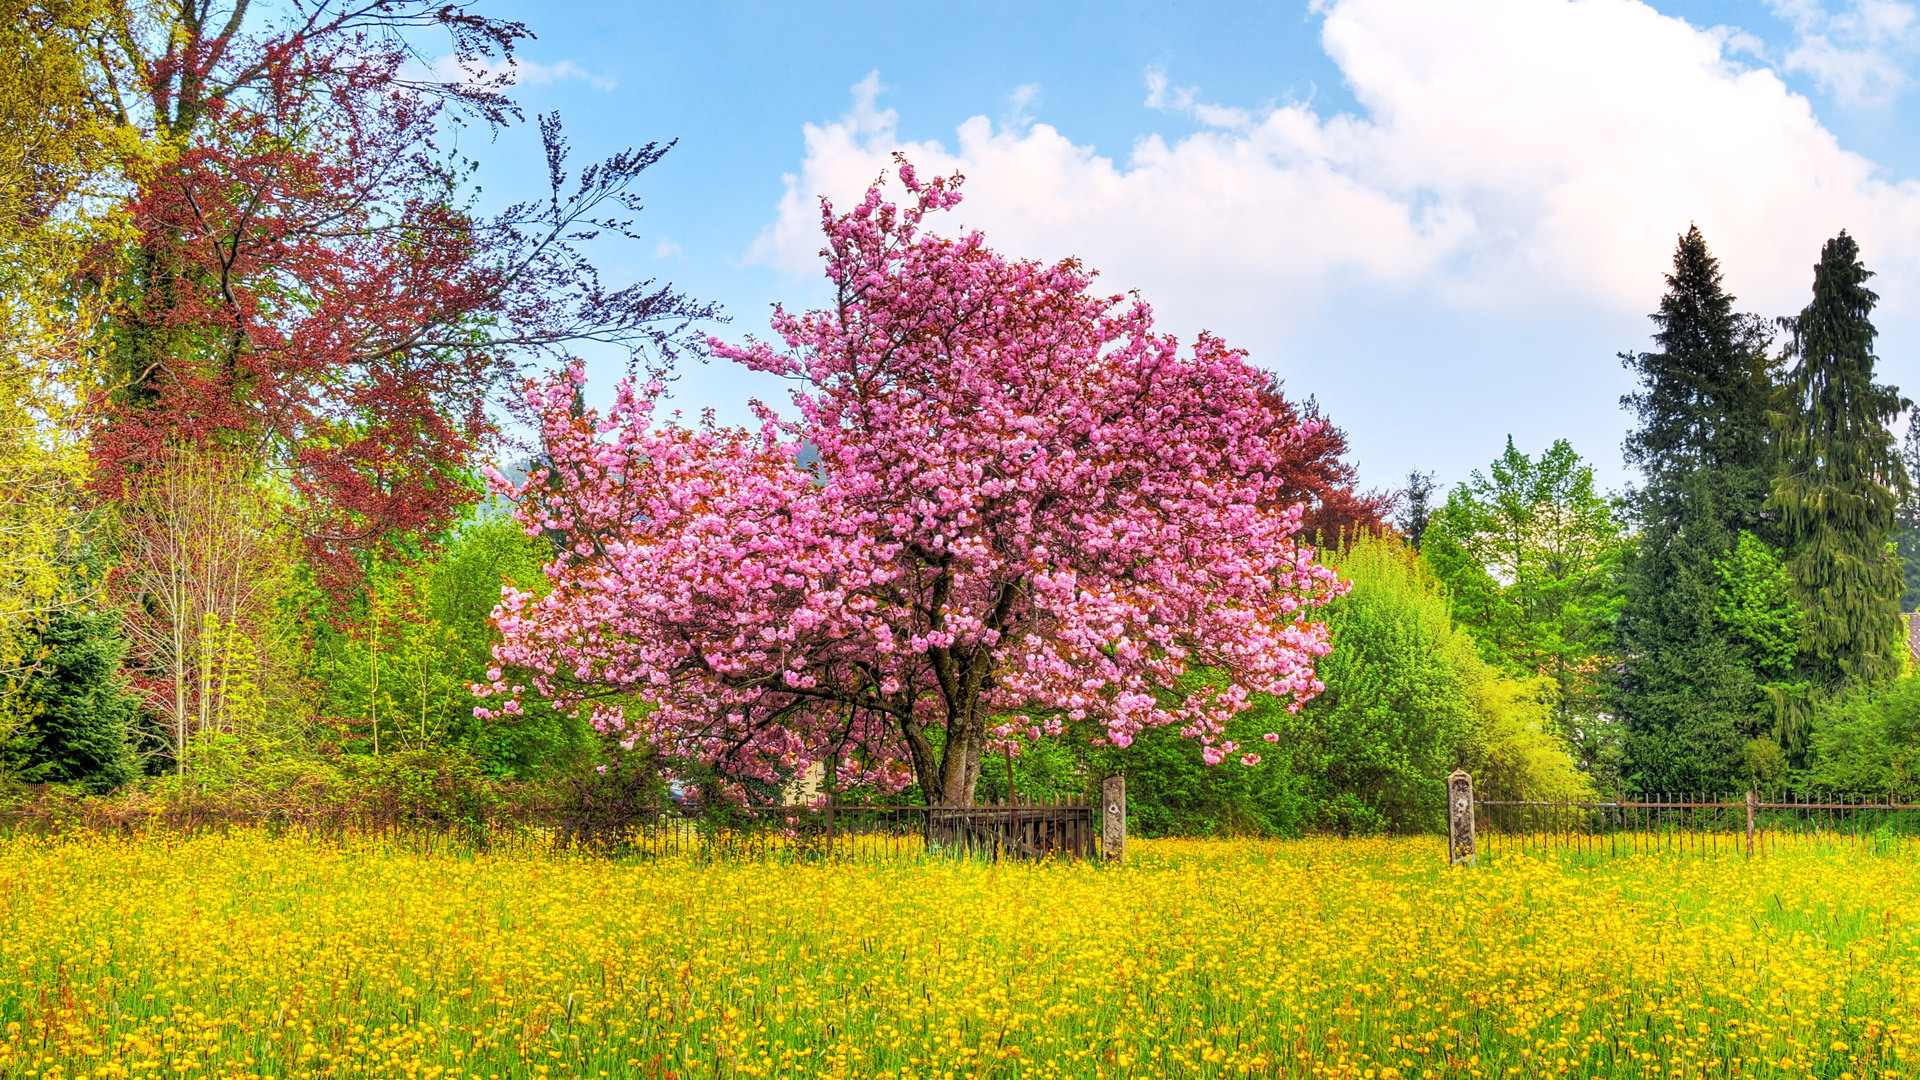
1018,498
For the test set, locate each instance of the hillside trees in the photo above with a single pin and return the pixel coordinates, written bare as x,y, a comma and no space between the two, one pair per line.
1689,691
1839,483
1028,509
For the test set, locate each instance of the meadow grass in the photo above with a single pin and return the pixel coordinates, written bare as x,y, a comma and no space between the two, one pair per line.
250,956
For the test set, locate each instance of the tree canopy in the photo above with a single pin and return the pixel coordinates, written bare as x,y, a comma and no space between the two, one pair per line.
1024,508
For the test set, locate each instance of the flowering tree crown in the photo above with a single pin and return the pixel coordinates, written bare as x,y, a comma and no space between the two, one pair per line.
1003,504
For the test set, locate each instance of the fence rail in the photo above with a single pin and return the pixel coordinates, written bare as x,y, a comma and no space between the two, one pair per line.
1067,828
1059,829
1695,823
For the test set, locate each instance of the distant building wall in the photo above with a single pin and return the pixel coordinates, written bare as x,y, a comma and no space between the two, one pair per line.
805,787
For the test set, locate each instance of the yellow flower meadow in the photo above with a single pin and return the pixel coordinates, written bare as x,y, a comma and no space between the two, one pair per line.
249,956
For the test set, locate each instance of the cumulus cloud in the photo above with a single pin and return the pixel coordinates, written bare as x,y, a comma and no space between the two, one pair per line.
1510,156
1854,52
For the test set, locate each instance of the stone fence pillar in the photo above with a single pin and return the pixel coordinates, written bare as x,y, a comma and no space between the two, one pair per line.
1460,819
1113,818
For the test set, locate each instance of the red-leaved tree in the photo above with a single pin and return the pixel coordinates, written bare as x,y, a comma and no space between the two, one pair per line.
1006,504
1321,480
306,288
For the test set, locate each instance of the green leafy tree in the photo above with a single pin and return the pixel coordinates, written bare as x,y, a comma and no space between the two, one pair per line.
1867,742
1407,700
1687,694
1530,553
1839,482
1756,607
397,673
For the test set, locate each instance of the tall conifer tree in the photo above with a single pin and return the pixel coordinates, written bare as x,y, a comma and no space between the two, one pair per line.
1839,483
1687,691
1906,535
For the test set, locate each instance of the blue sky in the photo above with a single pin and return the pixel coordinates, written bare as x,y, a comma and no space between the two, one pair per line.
1443,218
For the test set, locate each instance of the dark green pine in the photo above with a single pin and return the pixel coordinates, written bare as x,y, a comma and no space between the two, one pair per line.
1838,485
1686,693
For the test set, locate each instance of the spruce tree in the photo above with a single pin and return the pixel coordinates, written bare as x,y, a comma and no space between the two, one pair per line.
1415,510
1838,485
1687,691
1906,535
83,710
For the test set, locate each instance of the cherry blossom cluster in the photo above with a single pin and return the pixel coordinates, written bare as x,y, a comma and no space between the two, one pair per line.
1000,505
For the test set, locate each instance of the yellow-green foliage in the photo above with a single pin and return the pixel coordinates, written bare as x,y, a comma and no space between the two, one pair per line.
58,157
247,957
1423,681
1514,753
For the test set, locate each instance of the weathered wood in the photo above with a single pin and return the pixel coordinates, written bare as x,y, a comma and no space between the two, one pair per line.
1113,818
1753,803
1460,846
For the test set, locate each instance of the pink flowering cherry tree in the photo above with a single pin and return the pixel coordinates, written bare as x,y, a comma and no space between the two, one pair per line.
1001,504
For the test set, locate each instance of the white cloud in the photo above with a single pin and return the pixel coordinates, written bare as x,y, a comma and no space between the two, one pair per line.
1515,156
516,71
1853,53
667,248
1184,100
1020,105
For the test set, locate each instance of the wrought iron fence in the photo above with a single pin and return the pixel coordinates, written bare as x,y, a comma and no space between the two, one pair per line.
1696,824
1067,828
1059,829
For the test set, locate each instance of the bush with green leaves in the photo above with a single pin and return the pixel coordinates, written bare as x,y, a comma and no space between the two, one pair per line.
395,672
1867,743
1408,699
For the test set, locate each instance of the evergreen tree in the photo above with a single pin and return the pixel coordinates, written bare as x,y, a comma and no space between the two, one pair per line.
1838,484
1687,693
1415,510
82,710
1906,537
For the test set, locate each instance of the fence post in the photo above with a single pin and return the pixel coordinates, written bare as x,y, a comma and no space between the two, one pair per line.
1113,818
832,776
1753,799
1460,819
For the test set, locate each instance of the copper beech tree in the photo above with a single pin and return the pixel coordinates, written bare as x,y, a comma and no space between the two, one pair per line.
307,286
1004,504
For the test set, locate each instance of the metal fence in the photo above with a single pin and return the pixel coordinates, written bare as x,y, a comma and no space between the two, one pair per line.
1067,828
1059,829
1696,824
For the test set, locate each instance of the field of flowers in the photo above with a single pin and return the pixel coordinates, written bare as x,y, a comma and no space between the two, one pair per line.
254,957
